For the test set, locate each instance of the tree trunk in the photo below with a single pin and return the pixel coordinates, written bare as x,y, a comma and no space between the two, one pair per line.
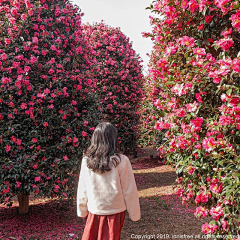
23,201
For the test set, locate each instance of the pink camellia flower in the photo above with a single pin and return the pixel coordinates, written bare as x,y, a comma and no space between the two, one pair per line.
7,40
12,20
209,228
224,224
199,97
44,52
179,89
37,179
191,170
235,18
208,19
201,198
18,184
227,32
225,97
225,120
14,11
180,192
199,51
8,148
75,139
187,41
34,140
201,212
26,68
198,146
51,71
215,188
33,59
4,56
6,190
74,102
6,80
84,134
193,5
18,141
216,212
181,112
209,144
225,43
53,47
184,4
236,65
200,27
46,91
45,124
192,107
35,166
89,81
208,179
23,106
197,122
65,158
171,49
35,40
24,17
56,188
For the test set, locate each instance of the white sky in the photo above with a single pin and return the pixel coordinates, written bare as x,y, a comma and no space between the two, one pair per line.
129,15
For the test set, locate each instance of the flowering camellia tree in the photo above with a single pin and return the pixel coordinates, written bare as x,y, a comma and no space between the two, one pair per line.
46,107
119,80
195,67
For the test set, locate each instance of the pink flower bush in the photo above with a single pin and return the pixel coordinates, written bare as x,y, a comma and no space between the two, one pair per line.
119,80
193,93
45,97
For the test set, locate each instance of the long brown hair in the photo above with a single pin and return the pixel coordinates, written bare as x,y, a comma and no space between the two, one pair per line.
101,154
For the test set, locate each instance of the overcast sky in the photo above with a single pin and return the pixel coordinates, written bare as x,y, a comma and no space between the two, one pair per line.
129,15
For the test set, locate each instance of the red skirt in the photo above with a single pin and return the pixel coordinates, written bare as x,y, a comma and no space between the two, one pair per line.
104,227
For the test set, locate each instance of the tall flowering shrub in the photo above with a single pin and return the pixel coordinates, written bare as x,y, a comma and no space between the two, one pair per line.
195,67
46,105
119,78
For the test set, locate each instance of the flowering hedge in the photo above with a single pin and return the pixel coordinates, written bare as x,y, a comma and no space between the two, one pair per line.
46,97
119,80
195,66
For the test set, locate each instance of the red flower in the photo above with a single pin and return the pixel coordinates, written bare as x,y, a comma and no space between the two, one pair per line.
37,179
208,19
84,134
45,124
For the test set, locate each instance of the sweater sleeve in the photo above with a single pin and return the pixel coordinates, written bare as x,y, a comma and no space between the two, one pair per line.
82,210
129,189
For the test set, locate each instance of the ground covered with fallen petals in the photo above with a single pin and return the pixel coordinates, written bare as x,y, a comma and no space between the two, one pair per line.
163,215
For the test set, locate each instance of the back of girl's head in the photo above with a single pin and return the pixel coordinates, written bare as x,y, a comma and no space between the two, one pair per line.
101,154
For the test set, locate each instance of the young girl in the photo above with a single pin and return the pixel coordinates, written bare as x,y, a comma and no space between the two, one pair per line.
106,187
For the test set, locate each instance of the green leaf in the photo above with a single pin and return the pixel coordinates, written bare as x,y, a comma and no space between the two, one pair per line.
229,91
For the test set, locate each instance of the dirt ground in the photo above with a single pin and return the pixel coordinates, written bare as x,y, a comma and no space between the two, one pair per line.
162,214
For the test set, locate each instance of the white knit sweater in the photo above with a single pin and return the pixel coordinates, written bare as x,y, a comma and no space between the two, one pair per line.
111,192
